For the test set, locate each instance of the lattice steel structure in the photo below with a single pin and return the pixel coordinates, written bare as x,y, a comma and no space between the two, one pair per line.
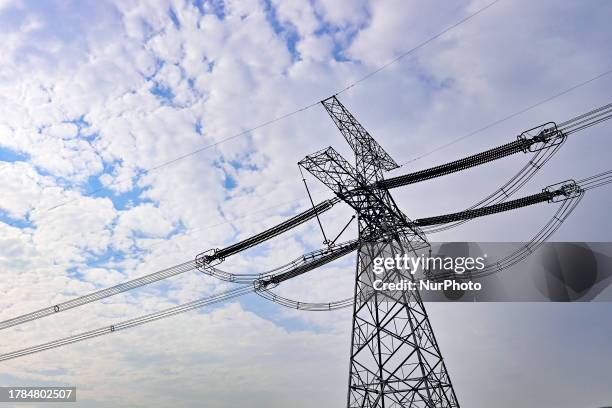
395,360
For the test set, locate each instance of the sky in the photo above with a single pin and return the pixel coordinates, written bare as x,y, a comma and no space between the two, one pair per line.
97,98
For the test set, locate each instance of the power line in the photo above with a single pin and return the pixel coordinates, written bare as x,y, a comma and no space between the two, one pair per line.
580,122
497,122
602,111
568,192
575,124
151,317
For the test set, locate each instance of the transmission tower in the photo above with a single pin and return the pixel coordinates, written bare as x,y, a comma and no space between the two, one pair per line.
395,360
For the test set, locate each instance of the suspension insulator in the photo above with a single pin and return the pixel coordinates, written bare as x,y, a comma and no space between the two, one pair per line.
207,259
541,137
563,191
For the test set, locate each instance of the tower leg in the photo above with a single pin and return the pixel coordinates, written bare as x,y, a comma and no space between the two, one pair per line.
395,360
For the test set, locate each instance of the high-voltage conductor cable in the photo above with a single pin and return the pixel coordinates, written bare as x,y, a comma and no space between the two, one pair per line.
507,190
554,223
308,306
316,262
274,231
586,120
595,181
550,227
566,208
294,268
569,194
542,156
517,181
587,183
455,166
101,294
267,293
488,210
172,271
554,134
151,317
327,257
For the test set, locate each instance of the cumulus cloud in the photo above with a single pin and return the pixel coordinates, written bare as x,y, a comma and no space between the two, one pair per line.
97,99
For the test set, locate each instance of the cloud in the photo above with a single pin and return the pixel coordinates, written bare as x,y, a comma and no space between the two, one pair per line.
95,96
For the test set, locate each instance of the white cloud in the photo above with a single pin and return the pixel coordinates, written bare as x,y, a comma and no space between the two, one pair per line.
100,62
21,188
343,13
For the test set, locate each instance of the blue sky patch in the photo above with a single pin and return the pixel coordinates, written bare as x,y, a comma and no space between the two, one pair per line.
163,93
8,155
174,18
284,31
14,222
217,7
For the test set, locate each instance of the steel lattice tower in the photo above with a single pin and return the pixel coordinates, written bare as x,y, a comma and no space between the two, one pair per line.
395,360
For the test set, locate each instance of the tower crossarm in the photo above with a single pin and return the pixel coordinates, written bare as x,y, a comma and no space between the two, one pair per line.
377,210
333,170
371,157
